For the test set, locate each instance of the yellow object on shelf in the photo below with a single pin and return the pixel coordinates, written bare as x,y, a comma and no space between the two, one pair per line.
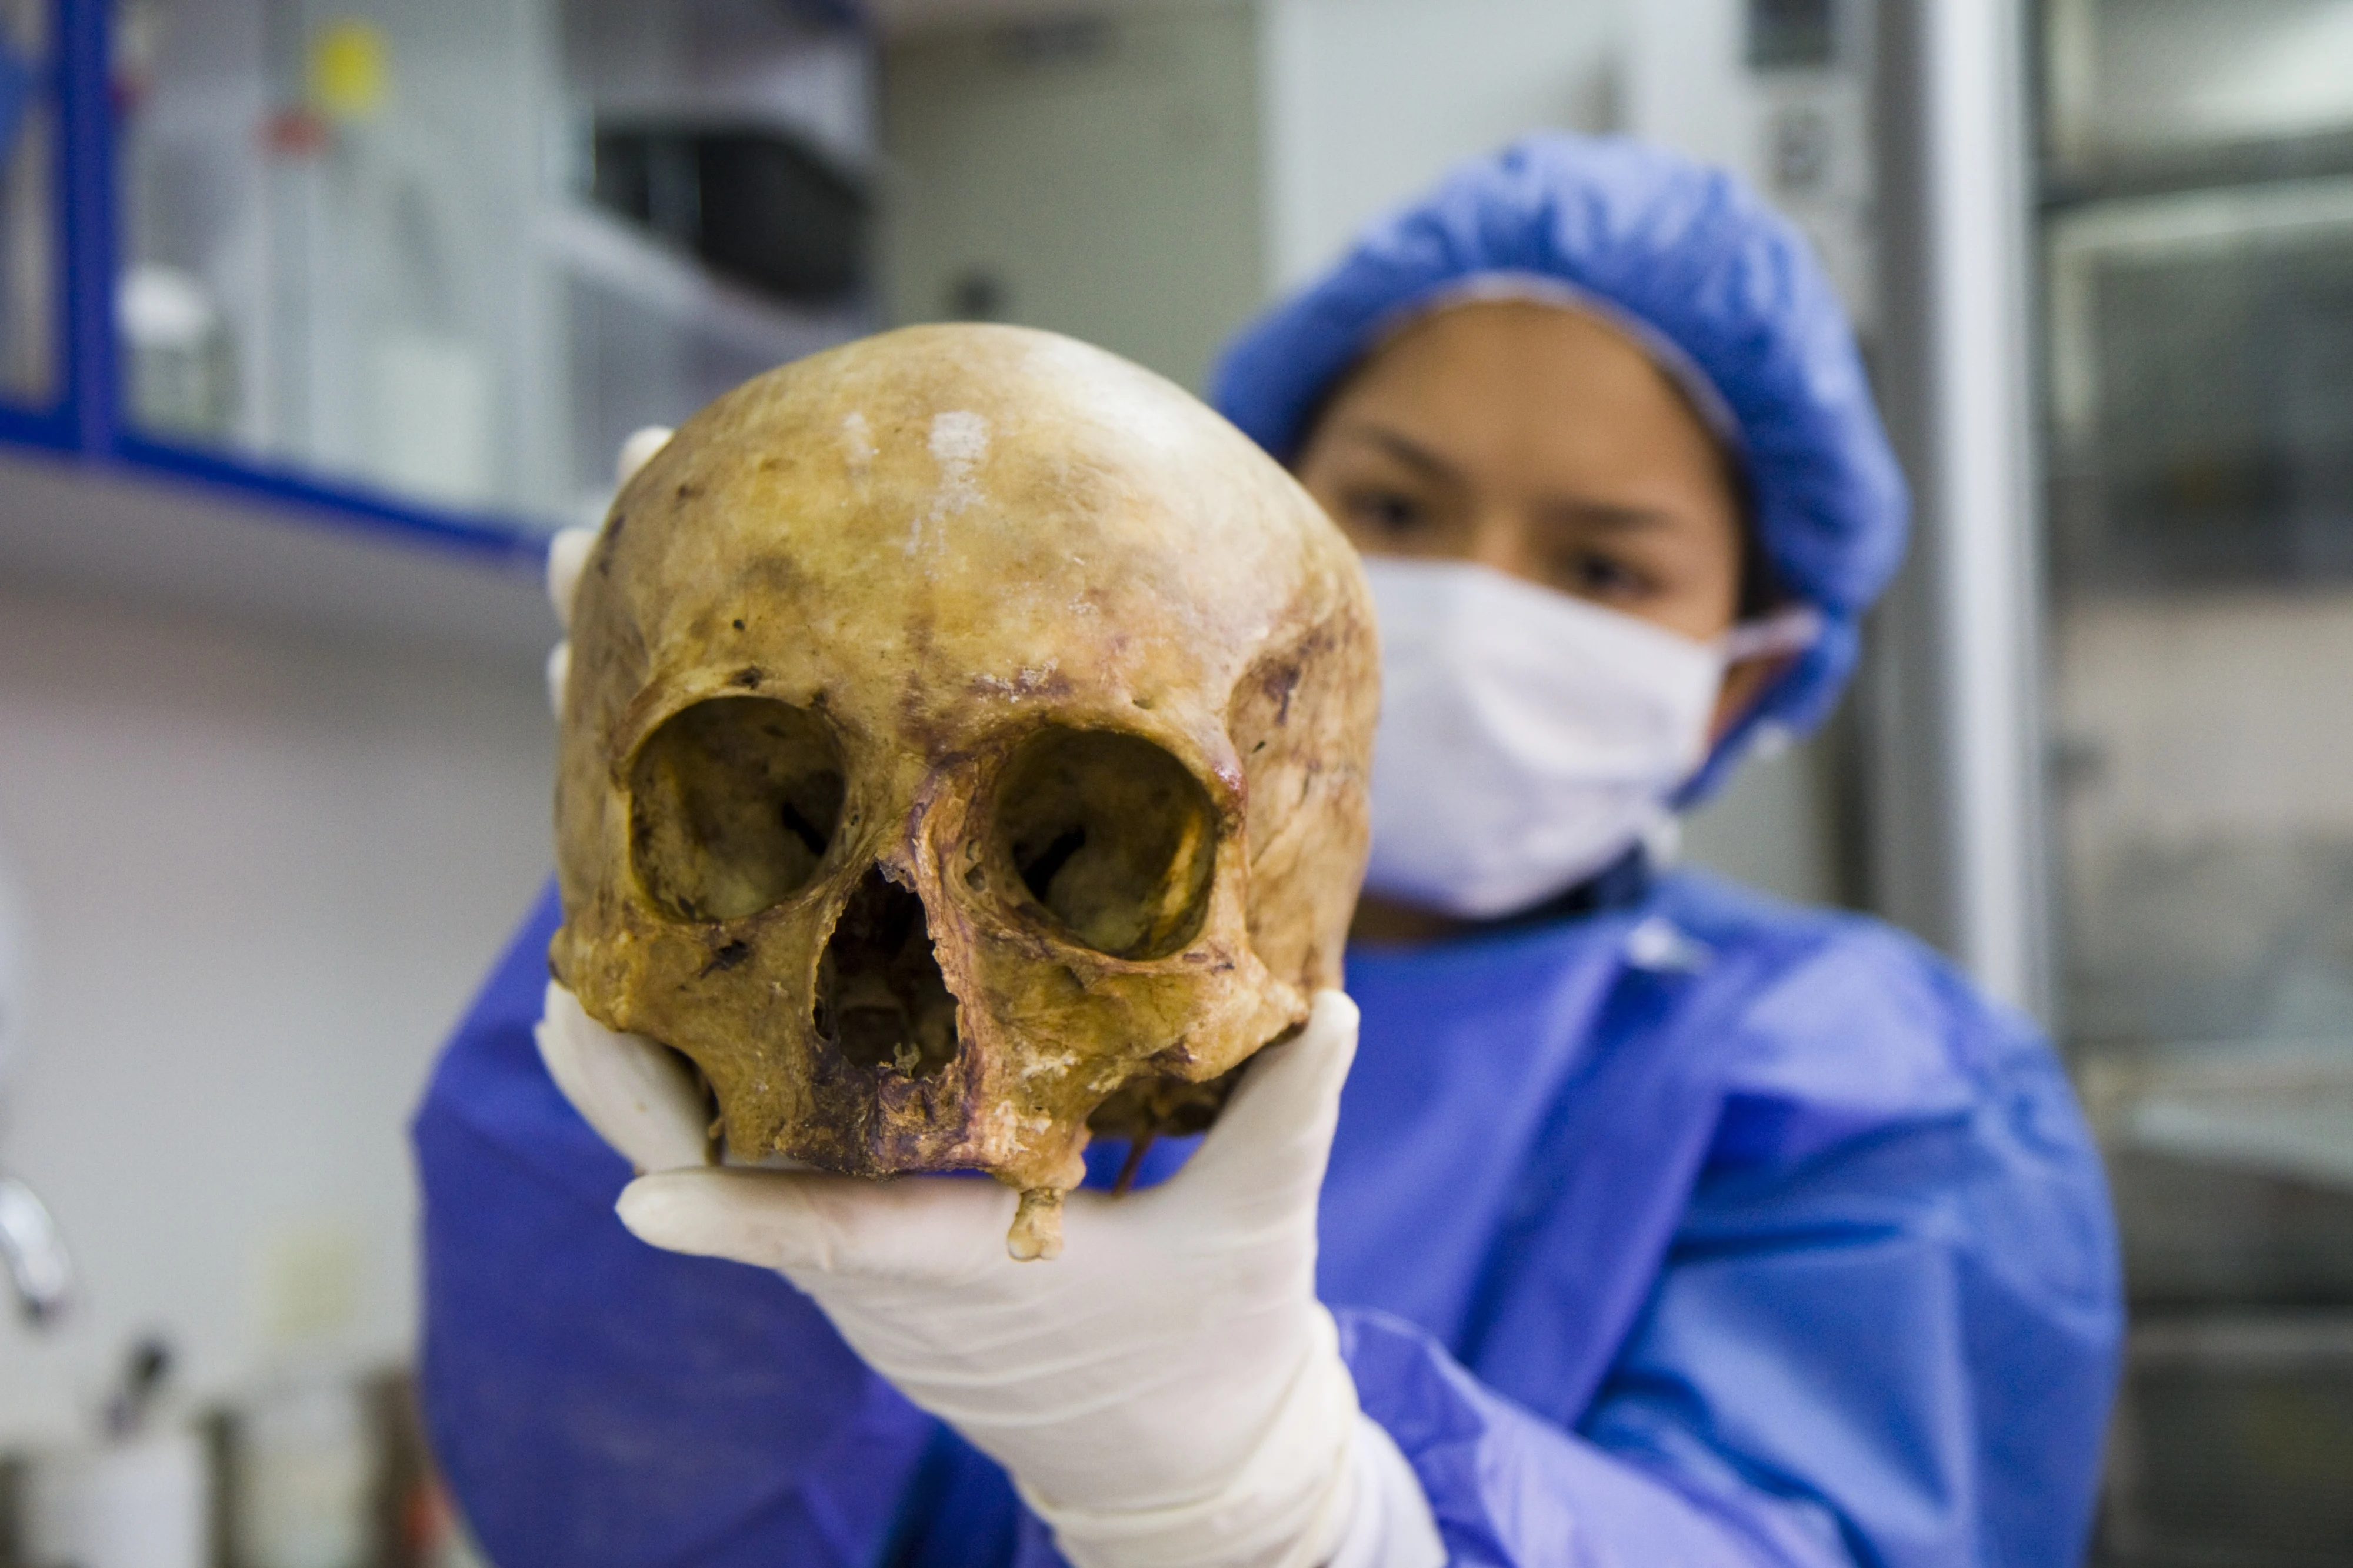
350,69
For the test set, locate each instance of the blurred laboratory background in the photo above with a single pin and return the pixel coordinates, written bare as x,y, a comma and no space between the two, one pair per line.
317,316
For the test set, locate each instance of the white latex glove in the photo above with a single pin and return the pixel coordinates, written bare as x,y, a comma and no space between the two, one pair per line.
1169,1392
567,555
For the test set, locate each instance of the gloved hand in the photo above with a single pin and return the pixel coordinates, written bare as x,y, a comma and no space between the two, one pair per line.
1169,1392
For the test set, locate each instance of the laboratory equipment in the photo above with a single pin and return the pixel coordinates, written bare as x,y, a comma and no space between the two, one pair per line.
382,258
2197,265
33,1252
32,1249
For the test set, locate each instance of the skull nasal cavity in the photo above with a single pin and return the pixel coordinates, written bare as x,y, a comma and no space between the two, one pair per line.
882,1001
1113,835
733,804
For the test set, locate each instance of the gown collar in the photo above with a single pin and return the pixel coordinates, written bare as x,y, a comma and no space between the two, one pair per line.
1621,885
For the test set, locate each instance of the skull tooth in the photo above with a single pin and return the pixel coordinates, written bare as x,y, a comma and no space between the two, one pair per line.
1037,1230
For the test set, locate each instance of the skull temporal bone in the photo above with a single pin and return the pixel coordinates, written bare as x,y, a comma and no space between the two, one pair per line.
966,737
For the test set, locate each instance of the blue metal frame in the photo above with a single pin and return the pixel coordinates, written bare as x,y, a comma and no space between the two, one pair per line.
86,118
495,541
35,425
87,420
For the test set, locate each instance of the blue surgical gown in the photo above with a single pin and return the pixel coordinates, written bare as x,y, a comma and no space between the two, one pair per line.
1698,1229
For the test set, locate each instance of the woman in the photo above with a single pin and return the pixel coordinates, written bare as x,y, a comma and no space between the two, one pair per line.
1662,1222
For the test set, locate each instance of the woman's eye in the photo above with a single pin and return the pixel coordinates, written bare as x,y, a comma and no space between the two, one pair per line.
1599,576
1389,512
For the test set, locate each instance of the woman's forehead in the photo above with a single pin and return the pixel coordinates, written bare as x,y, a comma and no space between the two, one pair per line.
1551,384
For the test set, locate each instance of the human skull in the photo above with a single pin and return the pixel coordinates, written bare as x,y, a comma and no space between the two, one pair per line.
965,738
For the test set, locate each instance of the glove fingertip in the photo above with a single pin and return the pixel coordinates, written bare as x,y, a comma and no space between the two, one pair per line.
655,1214
568,550
634,1094
1334,1014
1308,1068
638,449
1279,1124
698,1213
650,1206
644,1207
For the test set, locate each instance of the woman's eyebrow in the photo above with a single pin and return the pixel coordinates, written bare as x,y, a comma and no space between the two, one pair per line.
1405,449
1611,517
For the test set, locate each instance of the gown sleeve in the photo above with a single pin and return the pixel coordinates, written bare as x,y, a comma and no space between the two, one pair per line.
1884,1330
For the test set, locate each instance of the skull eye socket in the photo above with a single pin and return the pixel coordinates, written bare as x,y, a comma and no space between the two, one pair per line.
1115,837
732,804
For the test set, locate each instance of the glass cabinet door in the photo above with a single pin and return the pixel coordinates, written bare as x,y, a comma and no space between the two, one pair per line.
450,251
2198,279
29,304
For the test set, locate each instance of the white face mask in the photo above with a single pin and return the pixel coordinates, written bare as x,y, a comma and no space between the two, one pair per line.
1528,738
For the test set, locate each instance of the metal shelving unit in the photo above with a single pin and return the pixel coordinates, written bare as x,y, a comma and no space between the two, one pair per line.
349,261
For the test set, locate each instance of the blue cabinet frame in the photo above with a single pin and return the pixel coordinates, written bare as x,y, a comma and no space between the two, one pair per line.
86,421
59,425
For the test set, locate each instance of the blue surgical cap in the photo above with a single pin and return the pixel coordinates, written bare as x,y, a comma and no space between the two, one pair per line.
1698,267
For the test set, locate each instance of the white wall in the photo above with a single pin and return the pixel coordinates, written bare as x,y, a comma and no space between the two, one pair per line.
1685,86
264,871
1368,101
1103,177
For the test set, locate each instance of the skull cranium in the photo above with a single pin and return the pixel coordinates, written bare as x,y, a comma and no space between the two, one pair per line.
965,738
